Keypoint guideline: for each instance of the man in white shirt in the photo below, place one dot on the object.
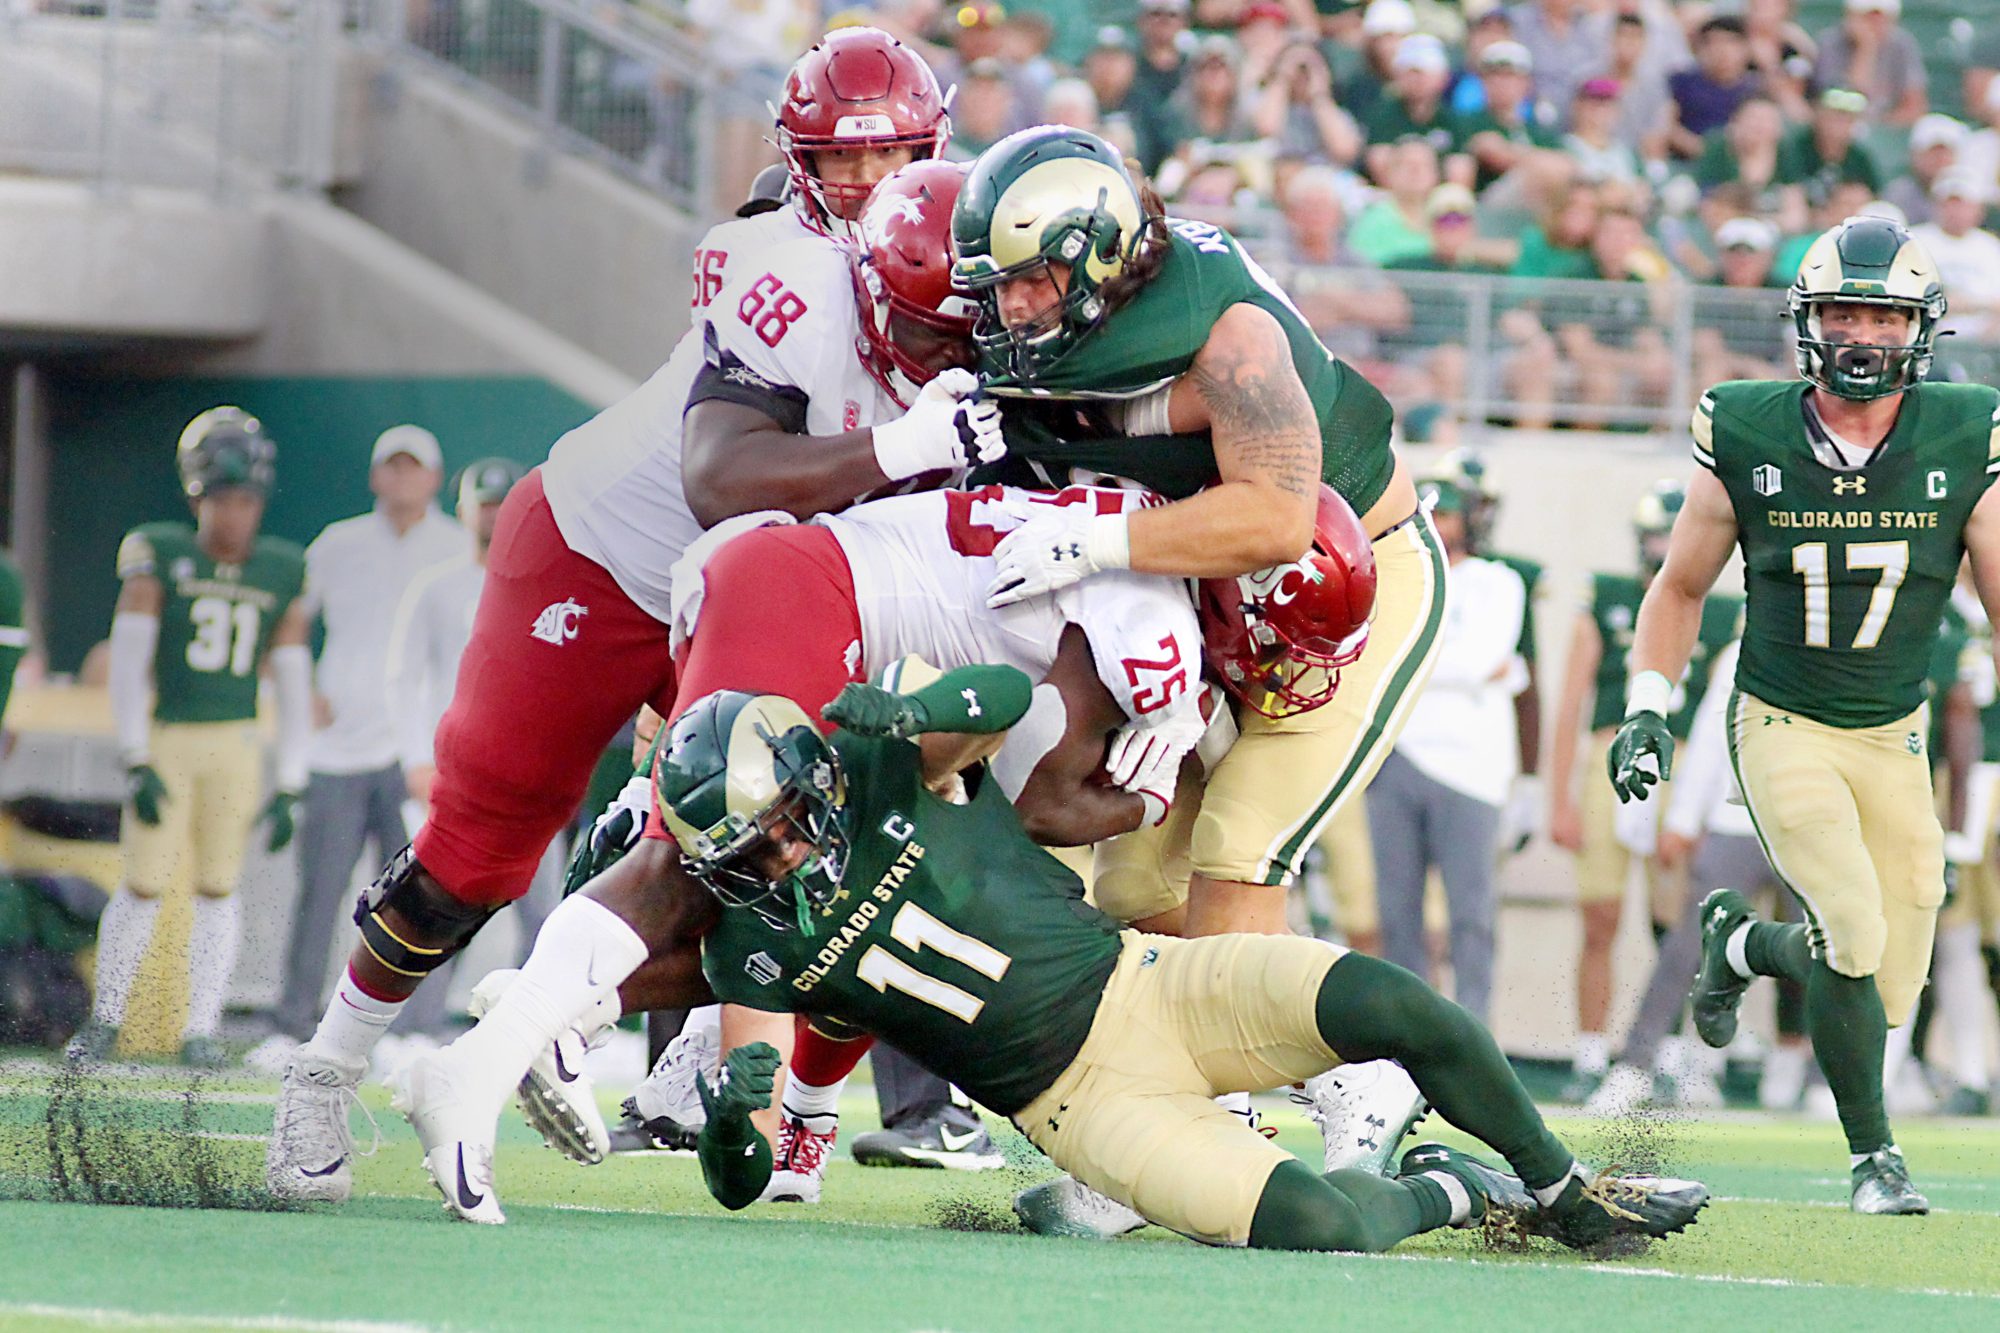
(356, 572)
(1439, 796)
(1967, 255)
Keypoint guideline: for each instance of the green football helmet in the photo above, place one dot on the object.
(1653, 522)
(224, 447)
(733, 766)
(1042, 196)
(1870, 261)
(1465, 468)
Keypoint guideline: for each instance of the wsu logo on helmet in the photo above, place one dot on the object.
(557, 622)
(1280, 585)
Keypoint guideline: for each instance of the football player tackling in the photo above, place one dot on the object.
(1853, 496)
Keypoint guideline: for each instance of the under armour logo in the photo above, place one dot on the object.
(1073, 551)
(1914, 743)
(1376, 1124)
(1770, 718)
(972, 708)
(1850, 485)
(557, 622)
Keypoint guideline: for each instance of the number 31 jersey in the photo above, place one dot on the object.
(1846, 572)
(922, 565)
(216, 620)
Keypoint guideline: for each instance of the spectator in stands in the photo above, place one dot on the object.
(1413, 106)
(1645, 107)
(1263, 34)
(1613, 337)
(1935, 141)
(1828, 150)
(1592, 142)
(1781, 52)
(1297, 110)
(1070, 101)
(1979, 157)
(1346, 309)
(1164, 47)
(1560, 246)
(1568, 45)
(1434, 342)
(1467, 95)
(1967, 256)
(1209, 110)
(1737, 338)
(1982, 66)
(1396, 225)
(1383, 29)
(1873, 54)
(1023, 46)
(1750, 151)
(1109, 67)
(1846, 200)
(1506, 136)
(1706, 95)
(357, 571)
(983, 112)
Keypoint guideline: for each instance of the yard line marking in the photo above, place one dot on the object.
(103, 1317)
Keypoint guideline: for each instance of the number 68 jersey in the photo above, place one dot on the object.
(216, 620)
(922, 564)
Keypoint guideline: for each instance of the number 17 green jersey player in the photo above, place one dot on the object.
(200, 612)
(1853, 495)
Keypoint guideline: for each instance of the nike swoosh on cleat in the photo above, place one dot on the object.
(590, 970)
(324, 1171)
(562, 1070)
(466, 1198)
(956, 1142)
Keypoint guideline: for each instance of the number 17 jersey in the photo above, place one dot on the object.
(1846, 572)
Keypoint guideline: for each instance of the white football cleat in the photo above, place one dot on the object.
(558, 1100)
(1625, 1089)
(1066, 1206)
(311, 1154)
(1363, 1112)
(798, 1167)
(457, 1137)
(666, 1103)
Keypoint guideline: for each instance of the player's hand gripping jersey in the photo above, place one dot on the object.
(1847, 572)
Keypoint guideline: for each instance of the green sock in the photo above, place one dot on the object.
(1372, 1010)
(1344, 1210)
(1844, 1015)
(1775, 950)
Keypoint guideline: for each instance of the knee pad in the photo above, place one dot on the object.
(444, 922)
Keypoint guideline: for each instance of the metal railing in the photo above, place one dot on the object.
(612, 83)
(209, 94)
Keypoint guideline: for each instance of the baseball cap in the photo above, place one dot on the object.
(1215, 47)
(488, 481)
(1890, 7)
(1448, 199)
(1163, 6)
(986, 67)
(1385, 17)
(1746, 234)
(415, 441)
(1956, 184)
(1507, 55)
(1422, 51)
(1111, 37)
(1936, 130)
(1604, 90)
(1845, 99)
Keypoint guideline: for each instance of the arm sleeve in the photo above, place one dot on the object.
(976, 700)
(291, 670)
(735, 1161)
(1481, 642)
(133, 640)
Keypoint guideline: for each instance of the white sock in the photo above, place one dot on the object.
(1454, 1190)
(1739, 962)
(123, 933)
(1672, 1058)
(1593, 1053)
(1962, 998)
(1855, 1159)
(354, 1021)
(211, 961)
(805, 1100)
(1547, 1195)
(584, 950)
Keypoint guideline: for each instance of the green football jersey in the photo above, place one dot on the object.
(1153, 340)
(954, 938)
(1847, 572)
(1614, 606)
(216, 620)
(1531, 575)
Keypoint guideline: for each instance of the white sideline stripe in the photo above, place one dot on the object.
(104, 1317)
(1728, 1280)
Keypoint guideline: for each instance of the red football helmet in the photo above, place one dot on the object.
(1278, 638)
(913, 315)
(857, 88)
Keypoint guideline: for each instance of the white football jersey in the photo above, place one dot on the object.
(922, 564)
(614, 483)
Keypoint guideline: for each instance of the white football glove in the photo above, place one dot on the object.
(688, 584)
(1963, 849)
(1065, 544)
(1522, 814)
(944, 429)
(1147, 760)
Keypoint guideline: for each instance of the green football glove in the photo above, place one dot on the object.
(616, 832)
(744, 1084)
(867, 710)
(145, 790)
(280, 812)
(1640, 735)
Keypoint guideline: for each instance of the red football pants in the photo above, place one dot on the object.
(559, 658)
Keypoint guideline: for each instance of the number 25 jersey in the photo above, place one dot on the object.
(216, 620)
(1846, 572)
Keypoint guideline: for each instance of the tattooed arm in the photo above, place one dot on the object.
(1244, 388)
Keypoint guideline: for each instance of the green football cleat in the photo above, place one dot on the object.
(1718, 989)
(1882, 1187)
(1589, 1213)
(1493, 1191)
(92, 1044)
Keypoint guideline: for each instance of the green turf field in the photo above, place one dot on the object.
(635, 1244)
